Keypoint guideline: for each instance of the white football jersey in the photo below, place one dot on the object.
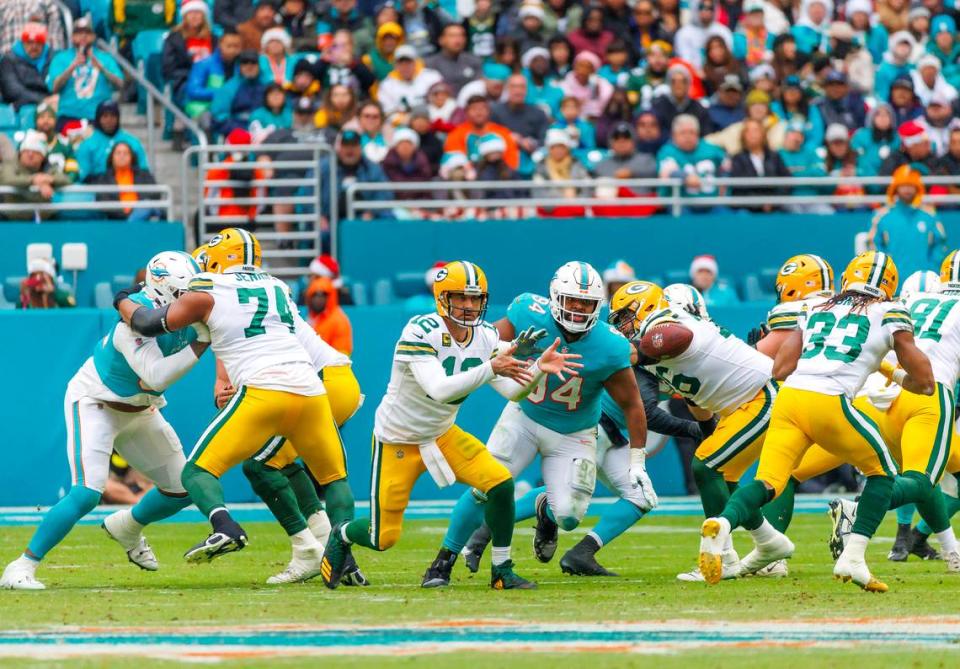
(717, 372)
(936, 325)
(841, 347)
(784, 316)
(253, 332)
(407, 415)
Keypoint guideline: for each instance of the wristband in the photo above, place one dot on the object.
(898, 376)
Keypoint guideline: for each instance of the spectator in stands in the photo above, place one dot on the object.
(339, 66)
(304, 82)
(92, 152)
(375, 135)
(407, 86)
(304, 125)
(583, 83)
(41, 290)
(951, 161)
(803, 160)
(616, 66)
(561, 16)
(906, 229)
(275, 64)
(405, 162)
(928, 81)
(344, 15)
(591, 37)
(189, 42)
(422, 22)
(326, 315)
(23, 69)
(456, 167)
(209, 75)
(876, 141)
(559, 164)
(937, 120)
(758, 109)
(616, 18)
(904, 101)
(794, 105)
(915, 150)
(726, 105)
(618, 274)
(719, 63)
(648, 27)
(480, 27)
(127, 18)
(580, 130)
(529, 33)
(442, 107)
(893, 14)
(60, 154)
(492, 167)
(850, 57)
(300, 22)
(226, 172)
(526, 122)
(691, 39)
(897, 63)
(811, 28)
(124, 170)
(945, 48)
(339, 108)
(239, 96)
(495, 77)
(787, 61)
(82, 75)
(649, 135)
(757, 159)
(840, 104)
(541, 91)
(379, 60)
(689, 158)
(430, 143)
(465, 137)
(617, 111)
(561, 56)
(352, 167)
(841, 159)
(231, 13)
(703, 276)
(624, 161)
(678, 101)
(455, 65)
(16, 14)
(264, 18)
(33, 177)
(752, 41)
(275, 113)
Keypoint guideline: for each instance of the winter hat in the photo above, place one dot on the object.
(763, 71)
(195, 6)
(943, 23)
(841, 30)
(239, 137)
(34, 140)
(590, 57)
(619, 271)
(535, 11)
(918, 12)
(757, 97)
(278, 34)
(452, 160)
(912, 133)
(707, 262)
(491, 143)
(496, 71)
(325, 266)
(531, 53)
(928, 60)
(855, 6)
(556, 136)
(405, 135)
(44, 265)
(836, 132)
(906, 176)
(405, 52)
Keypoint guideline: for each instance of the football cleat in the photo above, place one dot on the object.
(502, 577)
(215, 545)
(855, 569)
(843, 513)
(473, 551)
(920, 547)
(438, 573)
(581, 560)
(545, 535)
(900, 550)
(334, 561)
(19, 575)
(136, 546)
(713, 537)
(776, 569)
(731, 569)
(953, 561)
(352, 576)
(304, 565)
(779, 548)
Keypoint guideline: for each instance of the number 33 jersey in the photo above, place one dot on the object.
(842, 347)
(407, 414)
(253, 327)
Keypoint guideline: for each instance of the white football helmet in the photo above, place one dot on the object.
(921, 281)
(576, 280)
(685, 297)
(167, 275)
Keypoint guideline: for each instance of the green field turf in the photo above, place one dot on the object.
(90, 583)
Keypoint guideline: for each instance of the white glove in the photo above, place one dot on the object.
(640, 478)
(203, 332)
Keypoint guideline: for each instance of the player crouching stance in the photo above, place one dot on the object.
(114, 402)
(439, 360)
(823, 364)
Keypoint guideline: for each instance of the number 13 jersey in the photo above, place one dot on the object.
(842, 347)
(253, 332)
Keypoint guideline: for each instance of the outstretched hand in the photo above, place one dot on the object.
(553, 362)
(504, 364)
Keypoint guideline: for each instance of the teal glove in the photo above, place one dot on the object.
(526, 342)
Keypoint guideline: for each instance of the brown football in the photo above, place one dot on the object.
(665, 341)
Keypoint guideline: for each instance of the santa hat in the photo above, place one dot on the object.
(912, 133)
(239, 137)
(44, 265)
(278, 34)
(325, 266)
(707, 262)
(431, 274)
(195, 6)
(34, 141)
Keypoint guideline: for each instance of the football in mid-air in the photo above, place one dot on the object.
(665, 341)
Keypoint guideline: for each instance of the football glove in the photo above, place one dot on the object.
(757, 333)
(640, 478)
(526, 342)
(124, 293)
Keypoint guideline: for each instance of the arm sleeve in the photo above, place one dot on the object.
(157, 371)
(897, 319)
(431, 376)
(658, 420)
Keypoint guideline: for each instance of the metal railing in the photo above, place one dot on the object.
(162, 203)
(290, 237)
(666, 194)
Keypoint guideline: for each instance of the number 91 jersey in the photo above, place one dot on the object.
(936, 325)
(842, 347)
(573, 404)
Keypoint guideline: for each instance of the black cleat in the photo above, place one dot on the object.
(919, 546)
(473, 551)
(581, 560)
(227, 537)
(502, 577)
(334, 560)
(545, 536)
(438, 573)
(901, 545)
(351, 572)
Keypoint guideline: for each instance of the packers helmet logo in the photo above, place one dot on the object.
(216, 239)
(789, 268)
(637, 288)
(441, 275)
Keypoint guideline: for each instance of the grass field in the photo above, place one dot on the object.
(91, 585)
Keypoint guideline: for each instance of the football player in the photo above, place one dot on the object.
(439, 360)
(257, 333)
(113, 403)
(558, 420)
(823, 364)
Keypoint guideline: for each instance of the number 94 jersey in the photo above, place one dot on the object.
(842, 347)
(936, 325)
(573, 404)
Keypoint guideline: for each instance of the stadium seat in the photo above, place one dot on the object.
(359, 292)
(121, 281)
(147, 48)
(382, 292)
(103, 295)
(751, 290)
(768, 280)
(11, 288)
(5, 303)
(9, 121)
(27, 116)
(408, 284)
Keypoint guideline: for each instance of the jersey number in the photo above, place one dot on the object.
(688, 386)
(538, 304)
(823, 323)
(567, 394)
(450, 367)
(923, 326)
(256, 327)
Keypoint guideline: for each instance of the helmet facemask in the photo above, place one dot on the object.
(459, 315)
(574, 320)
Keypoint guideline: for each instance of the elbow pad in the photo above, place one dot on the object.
(150, 322)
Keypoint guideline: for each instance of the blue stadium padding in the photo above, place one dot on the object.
(120, 281)
(8, 118)
(382, 292)
(5, 303)
(103, 295)
(27, 117)
(751, 288)
(768, 279)
(408, 284)
(11, 288)
(676, 276)
(358, 290)
(99, 11)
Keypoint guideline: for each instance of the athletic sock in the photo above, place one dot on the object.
(155, 506)
(339, 502)
(905, 514)
(319, 526)
(615, 520)
(204, 488)
(948, 540)
(467, 516)
(592, 541)
(779, 511)
(273, 487)
(306, 493)
(714, 492)
(526, 506)
(873, 505)
(857, 543)
(358, 532)
(60, 519)
(499, 555)
(952, 505)
(498, 514)
(304, 539)
(765, 532)
(744, 505)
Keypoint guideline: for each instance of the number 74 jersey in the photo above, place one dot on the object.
(842, 347)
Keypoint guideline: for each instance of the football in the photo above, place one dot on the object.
(665, 341)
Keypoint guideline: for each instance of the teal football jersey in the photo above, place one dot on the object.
(573, 404)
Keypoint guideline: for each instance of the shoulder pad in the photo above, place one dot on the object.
(201, 282)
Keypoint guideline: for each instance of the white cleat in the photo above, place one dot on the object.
(731, 569)
(714, 534)
(304, 565)
(776, 569)
(843, 514)
(21, 575)
(856, 570)
(776, 549)
(125, 531)
(953, 561)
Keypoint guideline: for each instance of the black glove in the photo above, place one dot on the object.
(757, 333)
(124, 293)
(707, 427)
